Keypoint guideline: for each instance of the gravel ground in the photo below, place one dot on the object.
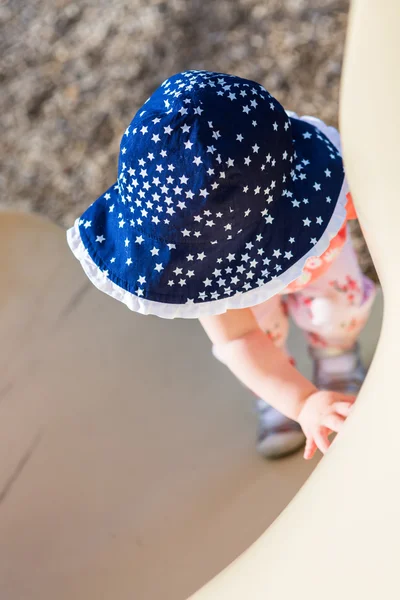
(73, 74)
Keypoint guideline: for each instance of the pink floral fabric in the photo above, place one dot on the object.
(331, 308)
(318, 265)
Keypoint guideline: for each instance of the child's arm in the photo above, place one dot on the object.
(266, 370)
(257, 362)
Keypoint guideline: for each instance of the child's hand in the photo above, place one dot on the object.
(323, 413)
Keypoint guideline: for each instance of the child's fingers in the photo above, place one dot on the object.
(310, 449)
(334, 422)
(342, 408)
(346, 399)
(321, 439)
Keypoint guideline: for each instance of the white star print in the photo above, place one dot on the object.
(100, 239)
(154, 194)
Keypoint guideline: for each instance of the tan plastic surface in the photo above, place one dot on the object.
(127, 461)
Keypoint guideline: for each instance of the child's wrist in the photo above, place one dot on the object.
(267, 371)
(306, 394)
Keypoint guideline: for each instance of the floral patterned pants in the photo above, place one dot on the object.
(332, 310)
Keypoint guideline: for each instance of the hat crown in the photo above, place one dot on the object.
(204, 157)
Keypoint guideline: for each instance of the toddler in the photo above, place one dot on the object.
(233, 211)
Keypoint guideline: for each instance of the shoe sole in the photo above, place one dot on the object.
(281, 445)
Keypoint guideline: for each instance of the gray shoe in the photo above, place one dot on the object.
(343, 373)
(277, 436)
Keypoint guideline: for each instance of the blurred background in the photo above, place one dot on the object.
(72, 75)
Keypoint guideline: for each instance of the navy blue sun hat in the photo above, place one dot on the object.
(221, 198)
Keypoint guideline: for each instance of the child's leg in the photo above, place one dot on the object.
(332, 312)
(272, 317)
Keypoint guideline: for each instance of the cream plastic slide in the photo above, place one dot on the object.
(340, 536)
(127, 461)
